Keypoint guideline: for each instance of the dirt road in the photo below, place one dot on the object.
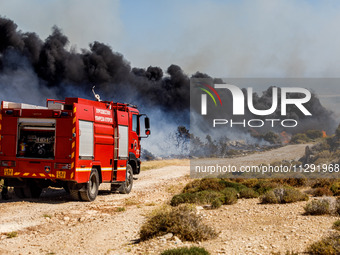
(54, 224)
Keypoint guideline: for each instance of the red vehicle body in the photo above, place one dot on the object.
(75, 143)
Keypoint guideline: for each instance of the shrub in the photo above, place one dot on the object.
(12, 234)
(337, 206)
(263, 186)
(327, 246)
(322, 183)
(272, 138)
(335, 188)
(237, 186)
(182, 221)
(336, 225)
(230, 196)
(299, 138)
(248, 193)
(283, 195)
(314, 134)
(204, 184)
(186, 251)
(217, 203)
(295, 182)
(269, 198)
(318, 207)
(250, 182)
(319, 192)
(201, 197)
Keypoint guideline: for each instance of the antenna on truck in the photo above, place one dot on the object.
(96, 95)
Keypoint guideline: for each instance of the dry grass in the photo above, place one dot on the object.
(154, 164)
(132, 201)
(327, 246)
(182, 221)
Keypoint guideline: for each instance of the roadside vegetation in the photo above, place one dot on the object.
(186, 251)
(181, 221)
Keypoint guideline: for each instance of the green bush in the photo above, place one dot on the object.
(263, 186)
(336, 225)
(182, 221)
(204, 184)
(186, 251)
(230, 196)
(335, 188)
(318, 207)
(248, 193)
(272, 138)
(250, 183)
(201, 197)
(283, 195)
(299, 138)
(269, 198)
(314, 134)
(217, 203)
(237, 186)
(209, 191)
(327, 246)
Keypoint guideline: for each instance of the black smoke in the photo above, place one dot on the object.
(59, 71)
(58, 67)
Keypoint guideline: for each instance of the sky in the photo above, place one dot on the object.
(246, 38)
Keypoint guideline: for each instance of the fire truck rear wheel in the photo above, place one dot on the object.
(127, 185)
(30, 190)
(19, 192)
(74, 193)
(35, 190)
(91, 188)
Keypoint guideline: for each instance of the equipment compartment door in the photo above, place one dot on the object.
(123, 141)
(85, 139)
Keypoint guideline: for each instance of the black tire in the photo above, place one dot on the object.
(35, 191)
(19, 192)
(28, 191)
(66, 188)
(126, 187)
(75, 194)
(92, 187)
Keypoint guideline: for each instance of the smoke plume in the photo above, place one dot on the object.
(32, 70)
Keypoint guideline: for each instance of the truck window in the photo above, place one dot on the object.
(135, 126)
(36, 138)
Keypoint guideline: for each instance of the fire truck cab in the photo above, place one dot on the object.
(73, 143)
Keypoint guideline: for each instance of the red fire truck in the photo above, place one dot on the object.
(75, 143)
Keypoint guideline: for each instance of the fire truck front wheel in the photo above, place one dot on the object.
(91, 188)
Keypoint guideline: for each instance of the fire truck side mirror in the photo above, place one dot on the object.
(147, 123)
(147, 132)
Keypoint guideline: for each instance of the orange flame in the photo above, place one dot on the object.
(324, 134)
(285, 138)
